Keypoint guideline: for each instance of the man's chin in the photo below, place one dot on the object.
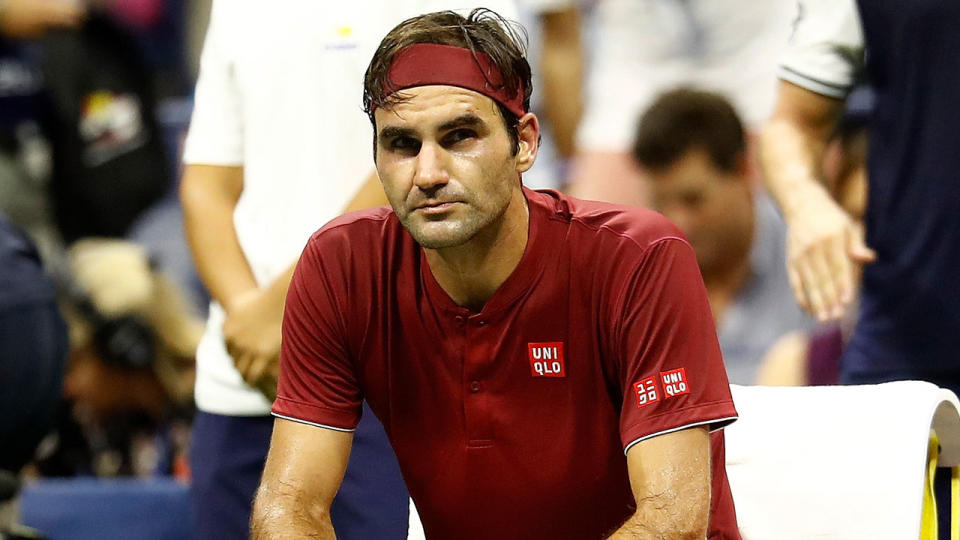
(438, 236)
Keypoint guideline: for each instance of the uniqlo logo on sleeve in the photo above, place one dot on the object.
(675, 382)
(546, 359)
(646, 391)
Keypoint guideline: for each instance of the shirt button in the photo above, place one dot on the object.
(482, 323)
(475, 386)
(460, 320)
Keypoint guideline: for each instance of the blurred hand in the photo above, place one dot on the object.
(252, 335)
(31, 18)
(825, 253)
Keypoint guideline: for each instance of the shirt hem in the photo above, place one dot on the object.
(723, 421)
(813, 84)
(719, 412)
(314, 415)
(315, 424)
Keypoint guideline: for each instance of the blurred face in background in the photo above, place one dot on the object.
(713, 207)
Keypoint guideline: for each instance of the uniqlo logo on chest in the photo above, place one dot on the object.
(675, 382)
(646, 391)
(546, 359)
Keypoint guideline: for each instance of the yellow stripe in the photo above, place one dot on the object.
(955, 504)
(928, 526)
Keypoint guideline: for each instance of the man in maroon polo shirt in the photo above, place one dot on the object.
(545, 367)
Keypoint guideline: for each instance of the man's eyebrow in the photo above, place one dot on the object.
(462, 121)
(392, 132)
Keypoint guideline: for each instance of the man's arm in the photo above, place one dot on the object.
(824, 245)
(670, 477)
(562, 67)
(252, 328)
(209, 195)
(302, 474)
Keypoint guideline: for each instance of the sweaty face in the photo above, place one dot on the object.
(445, 161)
(711, 206)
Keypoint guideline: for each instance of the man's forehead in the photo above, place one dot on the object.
(431, 106)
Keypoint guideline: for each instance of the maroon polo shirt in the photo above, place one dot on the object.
(512, 422)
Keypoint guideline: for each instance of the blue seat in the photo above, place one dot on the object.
(94, 509)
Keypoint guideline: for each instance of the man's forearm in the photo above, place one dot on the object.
(788, 156)
(664, 517)
(792, 145)
(670, 477)
(279, 514)
(562, 67)
(301, 476)
(209, 195)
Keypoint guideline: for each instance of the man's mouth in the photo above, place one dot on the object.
(436, 207)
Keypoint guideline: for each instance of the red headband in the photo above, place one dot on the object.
(424, 64)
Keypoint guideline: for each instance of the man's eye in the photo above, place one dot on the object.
(458, 135)
(405, 144)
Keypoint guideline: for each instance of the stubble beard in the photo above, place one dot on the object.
(446, 233)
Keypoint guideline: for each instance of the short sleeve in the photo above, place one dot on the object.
(826, 48)
(318, 384)
(215, 136)
(672, 370)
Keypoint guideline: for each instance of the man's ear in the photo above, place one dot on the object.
(528, 139)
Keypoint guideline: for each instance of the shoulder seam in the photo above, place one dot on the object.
(328, 227)
(606, 228)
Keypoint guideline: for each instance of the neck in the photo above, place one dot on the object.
(724, 285)
(471, 273)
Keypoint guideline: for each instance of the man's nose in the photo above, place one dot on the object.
(431, 171)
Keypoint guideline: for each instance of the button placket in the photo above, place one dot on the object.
(477, 357)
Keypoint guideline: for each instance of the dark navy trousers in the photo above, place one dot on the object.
(33, 356)
(227, 454)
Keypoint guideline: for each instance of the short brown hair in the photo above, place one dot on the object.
(482, 30)
(686, 119)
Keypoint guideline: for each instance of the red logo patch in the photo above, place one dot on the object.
(675, 382)
(646, 391)
(546, 359)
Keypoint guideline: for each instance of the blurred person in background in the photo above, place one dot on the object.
(81, 153)
(81, 150)
(909, 310)
(910, 304)
(640, 48)
(692, 147)
(33, 352)
(129, 382)
(81, 156)
(275, 149)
